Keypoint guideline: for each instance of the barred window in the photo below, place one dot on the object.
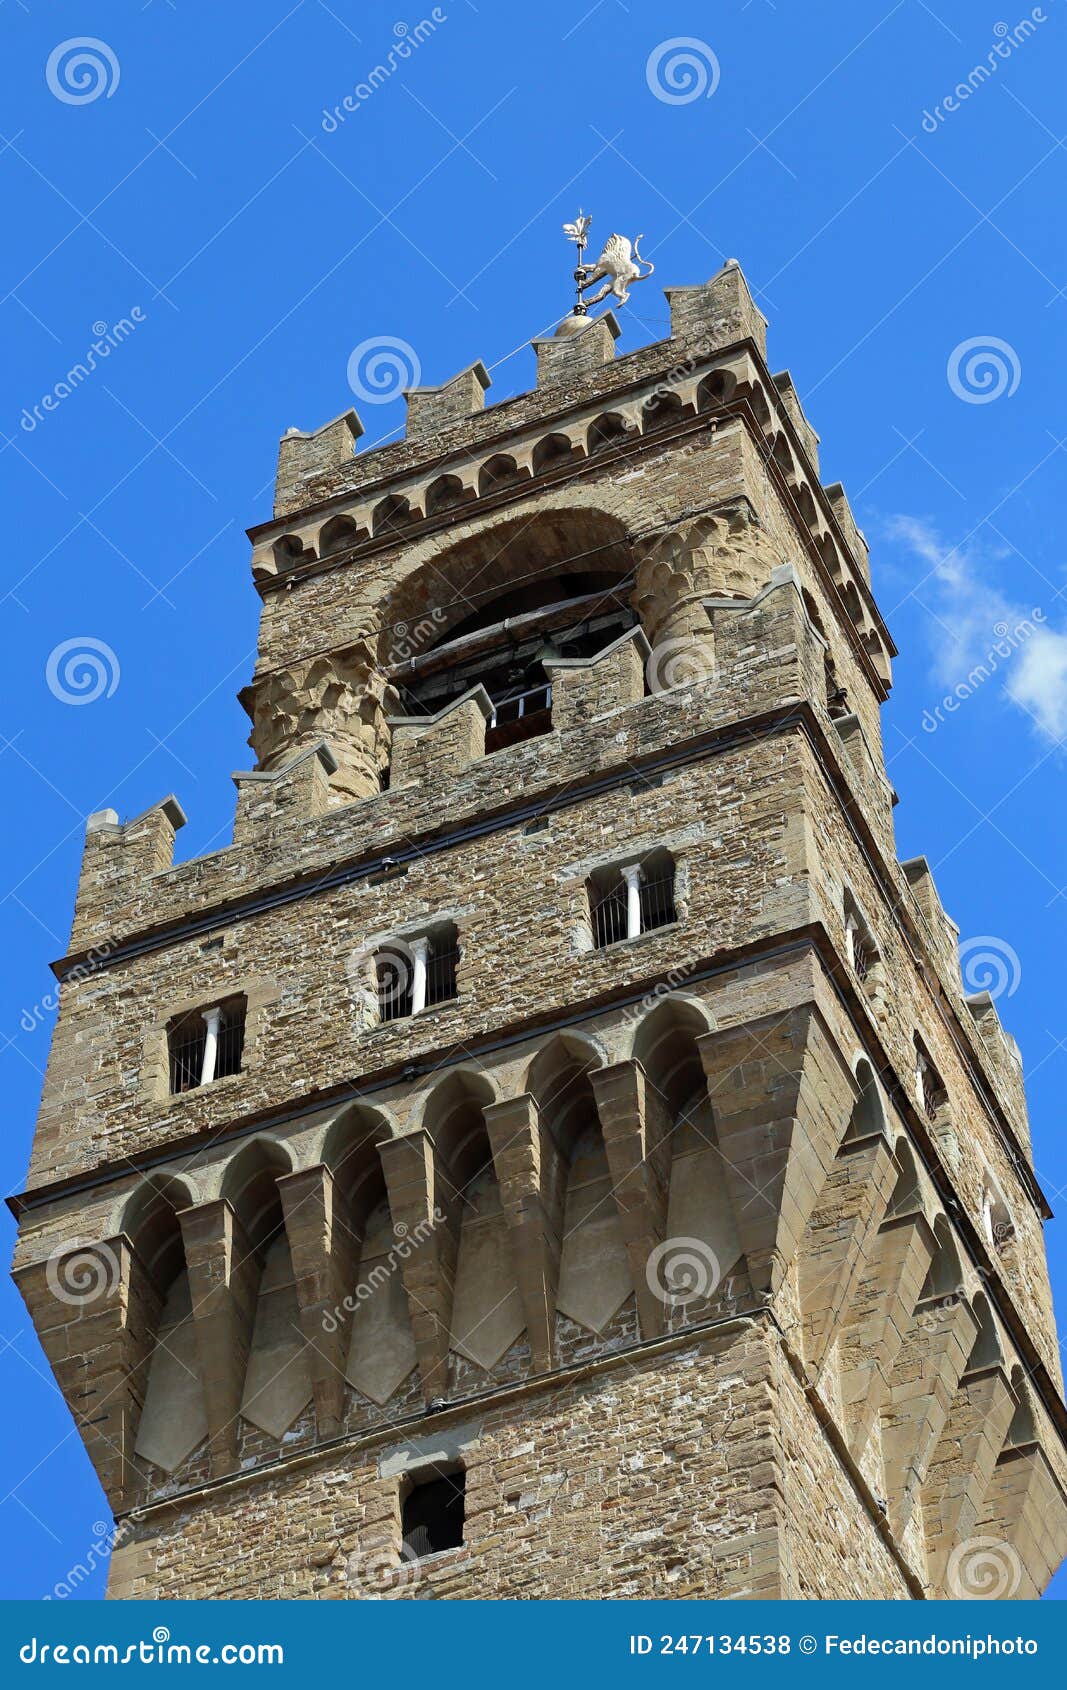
(632, 898)
(929, 1086)
(206, 1044)
(863, 953)
(411, 975)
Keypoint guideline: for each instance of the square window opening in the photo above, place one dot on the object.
(433, 1513)
(412, 975)
(635, 898)
(206, 1044)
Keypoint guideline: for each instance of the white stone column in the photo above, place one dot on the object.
(213, 1019)
(632, 876)
(420, 952)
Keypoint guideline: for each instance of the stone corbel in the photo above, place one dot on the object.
(874, 1334)
(531, 1177)
(779, 1092)
(838, 1239)
(96, 1311)
(224, 1274)
(636, 1132)
(962, 1464)
(325, 1262)
(419, 1202)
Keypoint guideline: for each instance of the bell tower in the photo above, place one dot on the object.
(550, 1152)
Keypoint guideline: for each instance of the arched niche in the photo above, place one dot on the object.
(717, 388)
(500, 472)
(868, 1112)
(391, 515)
(945, 1275)
(664, 409)
(700, 1213)
(277, 1385)
(607, 432)
(338, 534)
(554, 452)
(487, 1309)
(173, 1419)
(447, 493)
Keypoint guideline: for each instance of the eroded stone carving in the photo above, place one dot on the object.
(339, 696)
(720, 554)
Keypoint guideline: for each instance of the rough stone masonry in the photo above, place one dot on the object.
(550, 1152)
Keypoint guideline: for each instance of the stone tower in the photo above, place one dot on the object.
(550, 1152)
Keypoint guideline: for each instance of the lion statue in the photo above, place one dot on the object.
(619, 262)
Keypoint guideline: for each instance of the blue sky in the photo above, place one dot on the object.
(910, 259)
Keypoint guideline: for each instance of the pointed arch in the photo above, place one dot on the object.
(452, 1116)
(150, 1222)
(986, 1350)
(945, 1276)
(250, 1186)
(558, 1080)
(665, 1045)
(338, 534)
(868, 1111)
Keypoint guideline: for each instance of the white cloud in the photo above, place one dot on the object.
(976, 626)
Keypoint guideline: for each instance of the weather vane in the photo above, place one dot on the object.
(619, 262)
